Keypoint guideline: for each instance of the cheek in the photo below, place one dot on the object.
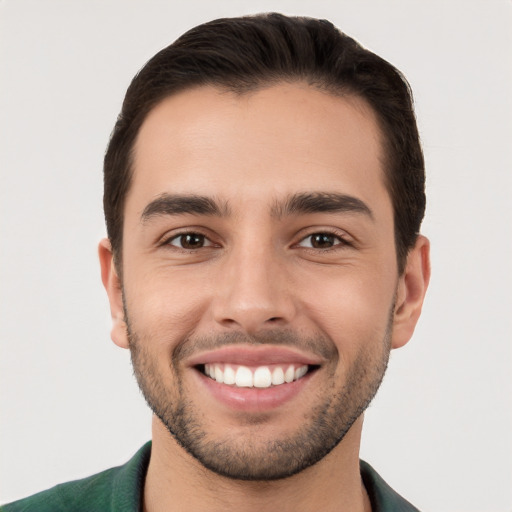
(164, 306)
(352, 308)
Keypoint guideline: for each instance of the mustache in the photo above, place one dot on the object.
(317, 344)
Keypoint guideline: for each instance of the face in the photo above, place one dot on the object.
(260, 288)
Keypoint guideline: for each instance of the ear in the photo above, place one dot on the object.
(112, 285)
(412, 286)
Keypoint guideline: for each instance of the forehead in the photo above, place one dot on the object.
(257, 146)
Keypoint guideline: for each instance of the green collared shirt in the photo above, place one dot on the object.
(120, 489)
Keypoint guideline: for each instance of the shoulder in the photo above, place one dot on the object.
(382, 497)
(118, 488)
(78, 495)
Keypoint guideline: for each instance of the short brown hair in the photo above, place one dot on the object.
(246, 53)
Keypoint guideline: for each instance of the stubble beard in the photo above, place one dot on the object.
(251, 458)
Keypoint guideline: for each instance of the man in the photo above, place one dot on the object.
(264, 190)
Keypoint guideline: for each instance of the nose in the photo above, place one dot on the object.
(254, 291)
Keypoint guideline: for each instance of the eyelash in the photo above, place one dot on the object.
(167, 241)
(340, 241)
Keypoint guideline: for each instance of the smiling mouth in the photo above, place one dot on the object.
(255, 377)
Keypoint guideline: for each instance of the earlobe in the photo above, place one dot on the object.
(411, 290)
(112, 284)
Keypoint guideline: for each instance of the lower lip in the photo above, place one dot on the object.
(254, 399)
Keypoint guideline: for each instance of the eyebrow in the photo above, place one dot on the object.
(192, 204)
(300, 203)
(320, 202)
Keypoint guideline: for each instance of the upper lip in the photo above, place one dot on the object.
(249, 355)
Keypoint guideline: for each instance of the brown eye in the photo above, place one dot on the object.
(189, 241)
(321, 241)
(192, 241)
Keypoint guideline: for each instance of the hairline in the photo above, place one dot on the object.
(335, 90)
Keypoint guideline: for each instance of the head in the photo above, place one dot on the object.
(249, 53)
(263, 195)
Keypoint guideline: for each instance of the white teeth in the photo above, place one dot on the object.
(243, 377)
(277, 376)
(263, 376)
(300, 372)
(219, 374)
(229, 375)
(289, 374)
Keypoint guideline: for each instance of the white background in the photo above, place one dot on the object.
(440, 430)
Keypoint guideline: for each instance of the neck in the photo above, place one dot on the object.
(177, 481)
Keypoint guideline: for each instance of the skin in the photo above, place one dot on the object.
(257, 276)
